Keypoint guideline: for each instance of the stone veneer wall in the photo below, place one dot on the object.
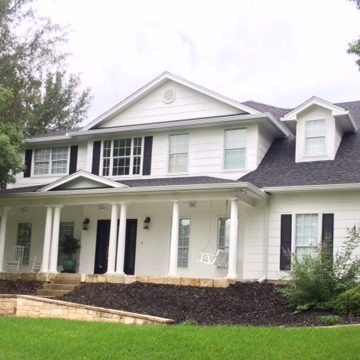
(36, 307)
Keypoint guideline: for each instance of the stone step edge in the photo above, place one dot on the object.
(157, 319)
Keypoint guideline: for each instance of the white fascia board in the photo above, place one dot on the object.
(178, 124)
(153, 85)
(336, 110)
(146, 189)
(351, 122)
(81, 174)
(45, 139)
(301, 188)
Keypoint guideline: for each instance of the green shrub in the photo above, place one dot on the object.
(329, 320)
(349, 301)
(317, 280)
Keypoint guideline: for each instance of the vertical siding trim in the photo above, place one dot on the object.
(28, 161)
(148, 141)
(285, 242)
(73, 159)
(96, 157)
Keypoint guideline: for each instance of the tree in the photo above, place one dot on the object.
(11, 142)
(354, 47)
(32, 66)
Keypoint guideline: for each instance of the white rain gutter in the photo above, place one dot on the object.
(285, 189)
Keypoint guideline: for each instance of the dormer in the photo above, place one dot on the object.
(319, 127)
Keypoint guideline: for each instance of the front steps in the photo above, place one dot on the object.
(60, 285)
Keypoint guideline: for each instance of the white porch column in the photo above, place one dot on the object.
(55, 239)
(233, 241)
(121, 240)
(3, 222)
(174, 240)
(112, 239)
(47, 240)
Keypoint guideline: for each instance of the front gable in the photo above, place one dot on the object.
(168, 98)
(81, 180)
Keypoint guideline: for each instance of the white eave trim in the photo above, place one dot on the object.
(157, 82)
(146, 189)
(301, 188)
(80, 174)
(169, 125)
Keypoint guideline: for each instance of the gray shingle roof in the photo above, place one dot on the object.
(278, 168)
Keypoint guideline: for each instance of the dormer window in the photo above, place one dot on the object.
(235, 149)
(315, 131)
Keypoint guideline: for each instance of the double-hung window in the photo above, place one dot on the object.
(183, 244)
(315, 131)
(51, 161)
(306, 234)
(24, 239)
(235, 149)
(178, 153)
(122, 156)
(223, 234)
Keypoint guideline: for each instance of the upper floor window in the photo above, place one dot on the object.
(51, 161)
(315, 137)
(122, 156)
(178, 153)
(235, 149)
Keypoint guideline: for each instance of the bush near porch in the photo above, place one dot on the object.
(44, 339)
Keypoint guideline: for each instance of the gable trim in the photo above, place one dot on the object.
(81, 174)
(157, 82)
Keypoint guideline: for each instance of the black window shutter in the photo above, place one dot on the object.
(327, 234)
(148, 141)
(73, 159)
(28, 160)
(285, 242)
(96, 157)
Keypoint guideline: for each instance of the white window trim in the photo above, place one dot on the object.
(293, 230)
(223, 150)
(112, 158)
(168, 156)
(189, 257)
(318, 156)
(49, 174)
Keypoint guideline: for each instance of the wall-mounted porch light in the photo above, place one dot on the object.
(85, 224)
(146, 225)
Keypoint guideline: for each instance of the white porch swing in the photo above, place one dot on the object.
(220, 258)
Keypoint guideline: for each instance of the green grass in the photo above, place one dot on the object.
(52, 339)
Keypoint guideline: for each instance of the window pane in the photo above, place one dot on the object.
(178, 163)
(179, 143)
(315, 146)
(59, 167)
(41, 168)
(66, 229)
(136, 165)
(183, 244)
(224, 233)
(235, 159)
(24, 239)
(42, 155)
(307, 230)
(315, 128)
(59, 153)
(235, 139)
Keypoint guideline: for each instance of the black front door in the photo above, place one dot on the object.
(130, 246)
(102, 246)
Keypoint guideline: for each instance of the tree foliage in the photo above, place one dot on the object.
(354, 47)
(32, 66)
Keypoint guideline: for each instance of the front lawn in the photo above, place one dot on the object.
(63, 339)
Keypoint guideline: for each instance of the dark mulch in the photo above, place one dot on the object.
(20, 287)
(240, 304)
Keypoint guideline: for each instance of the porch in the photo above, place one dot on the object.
(154, 238)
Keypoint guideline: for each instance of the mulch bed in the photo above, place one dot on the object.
(240, 304)
(20, 287)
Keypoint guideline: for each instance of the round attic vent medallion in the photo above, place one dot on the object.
(169, 96)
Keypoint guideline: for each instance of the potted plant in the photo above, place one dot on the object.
(69, 247)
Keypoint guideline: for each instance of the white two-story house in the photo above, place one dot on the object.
(179, 181)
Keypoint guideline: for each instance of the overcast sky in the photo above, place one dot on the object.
(279, 52)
